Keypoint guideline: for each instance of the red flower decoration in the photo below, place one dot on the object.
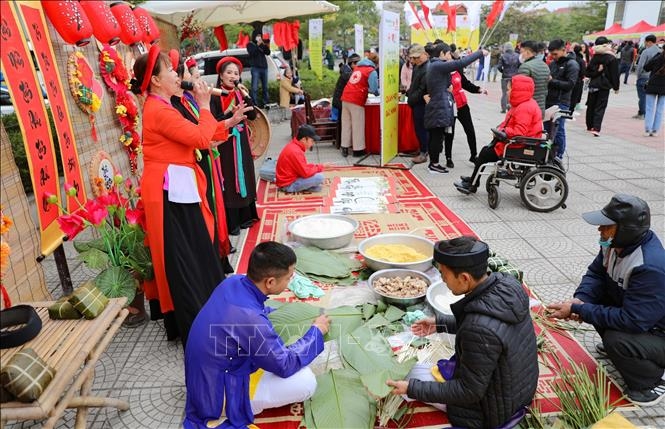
(94, 212)
(71, 225)
(136, 217)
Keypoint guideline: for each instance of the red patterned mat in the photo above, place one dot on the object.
(407, 186)
(428, 217)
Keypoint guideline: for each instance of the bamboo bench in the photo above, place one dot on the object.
(72, 348)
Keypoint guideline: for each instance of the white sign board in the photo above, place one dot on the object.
(360, 39)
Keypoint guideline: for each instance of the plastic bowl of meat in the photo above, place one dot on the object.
(400, 287)
(325, 231)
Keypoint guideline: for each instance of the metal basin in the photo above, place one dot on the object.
(439, 297)
(331, 239)
(399, 273)
(419, 244)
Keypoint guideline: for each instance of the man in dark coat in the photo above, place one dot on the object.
(415, 97)
(258, 50)
(439, 115)
(603, 72)
(622, 295)
(563, 77)
(495, 363)
(345, 72)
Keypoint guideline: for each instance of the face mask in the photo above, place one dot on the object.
(541, 56)
(521, 59)
(605, 243)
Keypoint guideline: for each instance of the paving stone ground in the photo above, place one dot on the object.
(553, 249)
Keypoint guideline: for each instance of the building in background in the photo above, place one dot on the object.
(630, 12)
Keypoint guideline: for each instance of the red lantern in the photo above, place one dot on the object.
(107, 29)
(69, 20)
(130, 31)
(147, 24)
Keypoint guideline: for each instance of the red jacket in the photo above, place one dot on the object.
(292, 164)
(524, 117)
(461, 83)
(357, 88)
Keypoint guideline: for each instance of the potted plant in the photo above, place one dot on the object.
(118, 251)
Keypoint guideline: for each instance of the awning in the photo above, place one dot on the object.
(214, 13)
(659, 31)
(613, 29)
(636, 31)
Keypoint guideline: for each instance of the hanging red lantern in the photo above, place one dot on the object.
(107, 28)
(130, 31)
(69, 20)
(147, 24)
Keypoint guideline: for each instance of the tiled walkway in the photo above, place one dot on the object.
(553, 249)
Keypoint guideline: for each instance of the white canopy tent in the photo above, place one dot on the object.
(214, 13)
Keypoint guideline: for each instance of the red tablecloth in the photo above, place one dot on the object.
(407, 141)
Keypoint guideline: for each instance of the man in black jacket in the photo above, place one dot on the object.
(603, 72)
(416, 92)
(496, 364)
(257, 51)
(345, 71)
(563, 77)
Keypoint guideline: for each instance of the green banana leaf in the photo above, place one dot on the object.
(366, 352)
(94, 258)
(340, 401)
(368, 311)
(349, 280)
(292, 320)
(307, 421)
(394, 314)
(82, 246)
(377, 321)
(375, 382)
(381, 306)
(116, 282)
(343, 320)
(274, 304)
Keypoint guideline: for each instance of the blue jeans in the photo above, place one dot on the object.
(653, 116)
(259, 74)
(560, 137)
(641, 95)
(312, 183)
(624, 68)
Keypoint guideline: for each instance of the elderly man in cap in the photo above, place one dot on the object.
(293, 173)
(622, 295)
(492, 377)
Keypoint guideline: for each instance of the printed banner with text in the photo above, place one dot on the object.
(389, 77)
(33, 16)
(316, 46)
(360, 39)
(26, 96)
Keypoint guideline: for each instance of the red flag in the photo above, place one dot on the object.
(221, 38)
(444, 7)
(426, 13)
(452, 19)
(497, 7)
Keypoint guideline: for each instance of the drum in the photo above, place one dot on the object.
(259, 133)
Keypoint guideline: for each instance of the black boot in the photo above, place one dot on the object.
(465, 187)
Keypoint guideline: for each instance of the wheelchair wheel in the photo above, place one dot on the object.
(544, 189)
(491, 181)
(493, 196)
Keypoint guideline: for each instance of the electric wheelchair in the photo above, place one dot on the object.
(529, 164)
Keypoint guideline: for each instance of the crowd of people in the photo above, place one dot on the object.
(199, 187)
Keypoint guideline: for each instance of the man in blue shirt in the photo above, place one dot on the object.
(622, 295)
(235, 362)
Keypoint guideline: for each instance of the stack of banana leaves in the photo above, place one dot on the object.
(348, 397)
(326, 267)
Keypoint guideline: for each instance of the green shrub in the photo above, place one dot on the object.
(10, 122)
(323, 88)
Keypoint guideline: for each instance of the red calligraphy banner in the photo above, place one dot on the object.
(33, 18)
(26, 95)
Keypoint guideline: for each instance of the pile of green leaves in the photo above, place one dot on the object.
(325, 266)
(341, 398)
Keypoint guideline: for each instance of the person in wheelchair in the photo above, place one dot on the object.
(523, 119)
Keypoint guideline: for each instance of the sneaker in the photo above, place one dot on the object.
(465, 178)
(449, 163)
(422, 157)
(503, 110)
(638, 116)
(345, 152)
(647, 397)
(465, 187)
(646, 134)
(600, 349)
(436, 169)
(595, 132)
(358, 153)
